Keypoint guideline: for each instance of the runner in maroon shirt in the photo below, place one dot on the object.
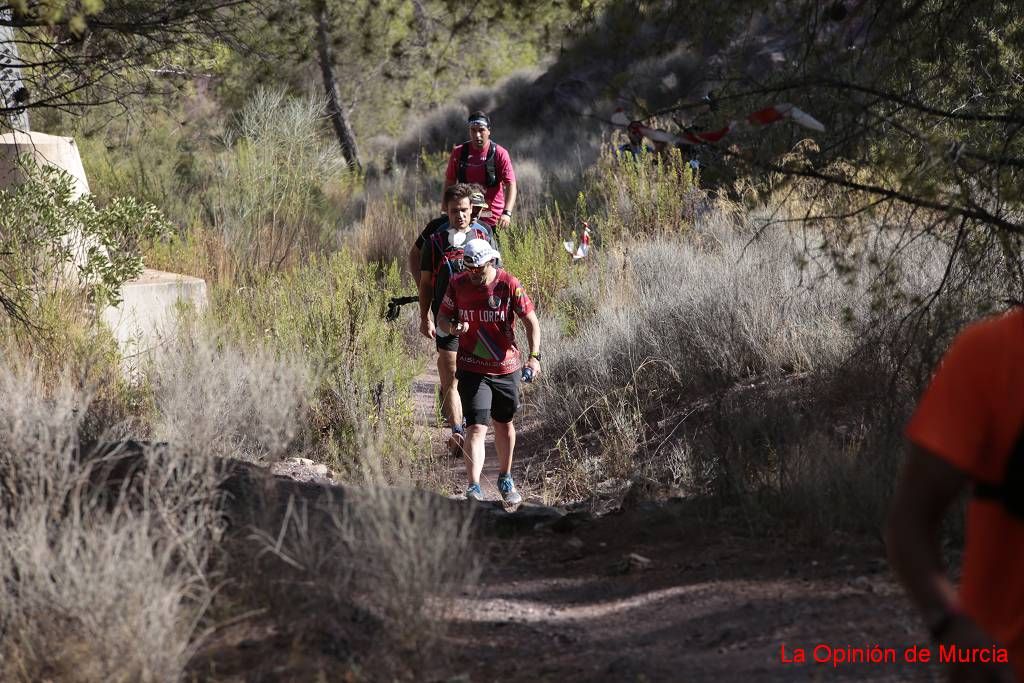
(485, 301)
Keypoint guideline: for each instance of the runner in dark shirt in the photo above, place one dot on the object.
(477, 201)
(440, 258)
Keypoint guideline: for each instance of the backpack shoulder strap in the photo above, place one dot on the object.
(1010, 491)
(463, 161)
(490, 165)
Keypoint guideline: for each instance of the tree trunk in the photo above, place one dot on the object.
(12, 90)
(346, 138)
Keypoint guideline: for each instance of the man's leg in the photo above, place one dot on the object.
(475, 437)
(451, 407)
(504, 406)
(504, 444)
(475, 395)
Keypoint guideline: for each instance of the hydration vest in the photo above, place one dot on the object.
(450, 255)
(492, 172)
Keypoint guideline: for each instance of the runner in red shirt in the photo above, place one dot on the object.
(488, 164)
(485, 301)
(967, 434)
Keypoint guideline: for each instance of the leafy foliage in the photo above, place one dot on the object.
(90, 52)
(52, 242)
(395, 57)
(330, 313)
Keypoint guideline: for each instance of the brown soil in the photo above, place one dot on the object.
(674, 591)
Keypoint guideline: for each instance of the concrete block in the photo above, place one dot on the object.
(147, 314)
(47, 150)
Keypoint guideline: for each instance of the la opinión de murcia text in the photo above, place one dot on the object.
(836, 656)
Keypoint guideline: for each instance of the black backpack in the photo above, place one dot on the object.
(492, 172)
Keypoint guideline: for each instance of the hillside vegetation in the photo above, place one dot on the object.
(751, 334)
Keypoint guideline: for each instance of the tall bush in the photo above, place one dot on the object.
(54, 244)
(271, 195)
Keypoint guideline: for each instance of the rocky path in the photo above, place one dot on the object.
(678, 592)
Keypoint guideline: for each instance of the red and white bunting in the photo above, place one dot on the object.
(761, 117)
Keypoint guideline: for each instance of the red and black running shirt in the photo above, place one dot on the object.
(489, 347)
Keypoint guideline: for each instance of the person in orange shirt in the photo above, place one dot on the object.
(967, 433)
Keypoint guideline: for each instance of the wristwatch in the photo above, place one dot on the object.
(535, 354)
(506, 213)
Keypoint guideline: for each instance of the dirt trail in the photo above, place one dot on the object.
(424, 394)
(675, 592)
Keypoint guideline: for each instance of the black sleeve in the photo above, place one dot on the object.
(423, 236)
(427, 255)
(431, 228)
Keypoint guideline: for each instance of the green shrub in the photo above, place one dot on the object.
(156, 159)
(329, 313)
(645, 196)
(271, 196)
(53, 244)
(533, 252)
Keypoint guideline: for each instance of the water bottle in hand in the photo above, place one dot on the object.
(527, 374)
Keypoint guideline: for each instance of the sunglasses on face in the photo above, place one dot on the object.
(476, 269)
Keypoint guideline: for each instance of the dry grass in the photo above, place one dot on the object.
(725, 364)
(388, 227)
(95, 587)
(387, 557)
(223, 400)
(411, 552)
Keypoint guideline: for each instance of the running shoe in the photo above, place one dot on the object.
(507, 488)
(474, 492)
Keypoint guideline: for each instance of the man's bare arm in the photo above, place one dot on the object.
(532, 325)
(414, 263)
(511, 194)
(926, 489)
(426, 295)
(510, 201)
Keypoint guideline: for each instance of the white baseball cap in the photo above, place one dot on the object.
(478, 252)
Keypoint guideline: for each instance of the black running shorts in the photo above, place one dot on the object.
(488, 396)
(445, 342)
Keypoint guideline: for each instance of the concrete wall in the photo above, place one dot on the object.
(147, 313)
(47, 150)
(146, 316)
